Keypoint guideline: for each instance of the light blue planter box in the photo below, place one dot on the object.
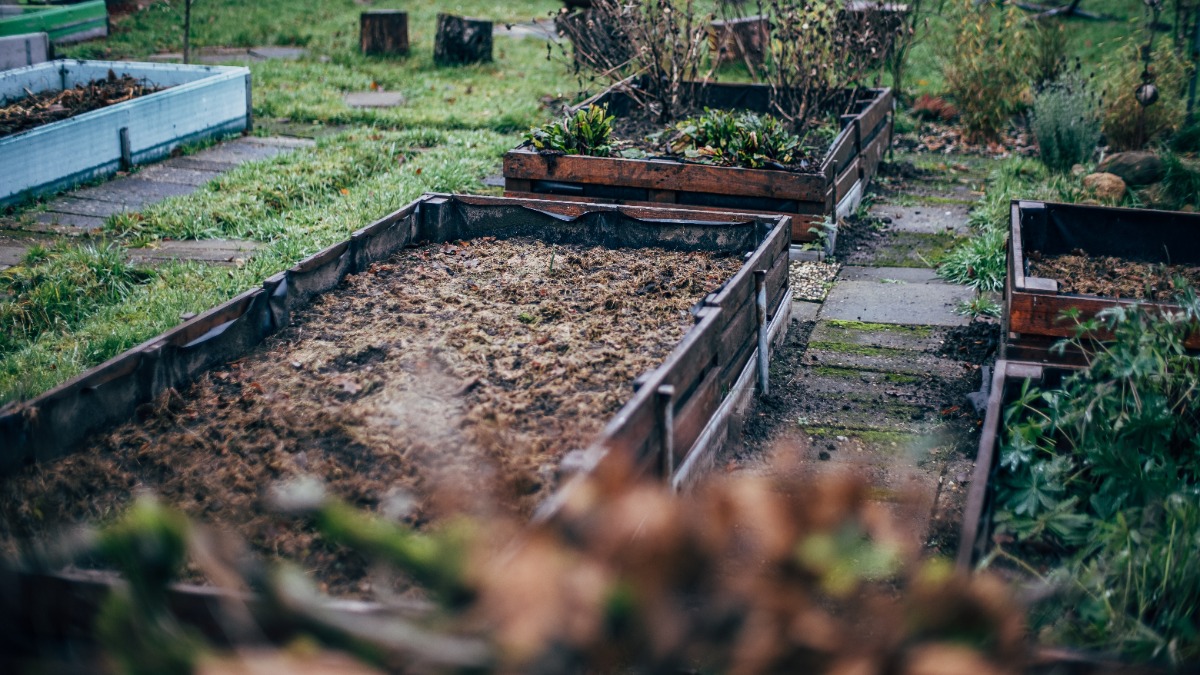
(202, 102)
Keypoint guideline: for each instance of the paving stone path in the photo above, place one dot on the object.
(83, 211)
(862, 385)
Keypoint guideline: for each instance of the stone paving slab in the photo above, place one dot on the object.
(84, 207)
(168, 173)
(220, 251)
(805, 311)
(925, 218)
(891, 336)
(898, 295)
(881, 360)
(13, 247)
(374, 99)
(134, 192)
(66, 223)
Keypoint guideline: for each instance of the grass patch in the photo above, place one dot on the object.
(59, 287)
(455, 164)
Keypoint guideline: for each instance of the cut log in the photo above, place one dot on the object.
(461, 40)
(384, 32)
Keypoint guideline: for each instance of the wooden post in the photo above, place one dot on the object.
(384, 32)
(461, 41)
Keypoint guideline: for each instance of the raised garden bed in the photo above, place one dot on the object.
(64, 23)
(975, 540)
(833, 188)
(1102, 257)
(375, 381)
(196, 103)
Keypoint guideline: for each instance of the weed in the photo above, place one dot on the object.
(1066, 122)
(1103, 471)
(978, 306)
(586, 132)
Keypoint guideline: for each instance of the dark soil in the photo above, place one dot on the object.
(976, 342)
(52, 106)
(452, 378)
(856, 234)
(1110, 277)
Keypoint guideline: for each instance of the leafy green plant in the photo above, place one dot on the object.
(586, 132)
(988, 67)
(1066, 121)
(743, 139)
(1180, 186)
(1103, 474)
(56, 288)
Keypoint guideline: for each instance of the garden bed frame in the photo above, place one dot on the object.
(833, 190)
(975, 533)
(673, 425)
(1033, 306)
(64, 23)
(202, 102)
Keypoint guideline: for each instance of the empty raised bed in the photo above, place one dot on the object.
(461, 342)
(833, 187)
(1065, 257)
(195, 103)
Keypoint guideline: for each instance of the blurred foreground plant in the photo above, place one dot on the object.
(745, 575)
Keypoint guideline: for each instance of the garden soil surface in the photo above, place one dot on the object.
(52, 106)
(451, 378)
(1111, 277)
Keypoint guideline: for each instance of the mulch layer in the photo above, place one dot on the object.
(451, 378)
(35, 110)
(1111, 277)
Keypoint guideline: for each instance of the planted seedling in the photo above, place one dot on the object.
(587, 131)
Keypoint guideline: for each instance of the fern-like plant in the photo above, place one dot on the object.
(743, 139)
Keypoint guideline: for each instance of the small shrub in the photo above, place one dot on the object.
(1187, 139)
(742, 139)
(1180, 186)
(587, 132)
(1127, 125)
(987, 68)
(1066, 122)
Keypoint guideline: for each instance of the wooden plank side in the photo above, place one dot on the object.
(844, 148)
(846, 180)
(691, 419)
(876, 114)
(662, 175)
(685, 366)
(1040, 313)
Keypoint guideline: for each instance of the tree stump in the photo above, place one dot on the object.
(384, 32)
(736, 40)
(461, 41)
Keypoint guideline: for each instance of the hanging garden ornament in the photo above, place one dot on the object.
(1146, 94)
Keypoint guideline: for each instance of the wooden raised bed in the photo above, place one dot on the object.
(1033, 306)
(975, 535)
(672, 425)
(64, 23)
(200, 102)
(833, 189)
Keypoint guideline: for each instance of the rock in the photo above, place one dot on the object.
(1106, 186)
(1135, 168)
(1078, 170)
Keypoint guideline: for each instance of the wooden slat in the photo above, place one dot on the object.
(660, 175)
(846, 180)
(1032, 313)
(845, 146)
(684, 367)
(691, 419)
(876, 113)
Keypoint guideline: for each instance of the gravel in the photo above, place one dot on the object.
(811, 281)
